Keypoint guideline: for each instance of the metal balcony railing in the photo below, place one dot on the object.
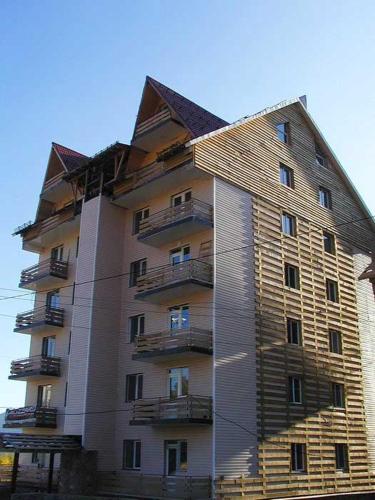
(173, 340)
(190, 270)
(53, 316)
(35, 365)
(31, 416)
(48, 267)
(185, 409)
(192, 209)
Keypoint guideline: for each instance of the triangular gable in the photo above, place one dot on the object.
(69, 158)
(318, 135)
(195, 119)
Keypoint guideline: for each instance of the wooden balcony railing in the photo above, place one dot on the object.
(173, 340)
(53, 181)
(31, 416)
(48, 267)
(191, 270)
(190, 209)
(53, 316)
(153, 486)
(152, 122)
(185, 409)
(35, 365)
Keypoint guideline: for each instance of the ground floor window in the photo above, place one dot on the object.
(298, 457)
(176, 461)
(342, 462)
(131, 454)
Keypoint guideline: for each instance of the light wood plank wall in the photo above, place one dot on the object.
(249, 156)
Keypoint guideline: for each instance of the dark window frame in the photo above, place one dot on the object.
(283, 135)
(133, 393)
(131, 454)
(139, 320)
(294, 333)
(332, 291)
(329, 243)
(335, 335)
(298, 465)
(292, 282)
(294, 391)
(338, 395)
(136, 272)
(288, 222)
(287, 174)
(325, 198)
(137, 221)
(341, 457)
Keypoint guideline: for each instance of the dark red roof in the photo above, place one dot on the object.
(196, 119)
(71, 159)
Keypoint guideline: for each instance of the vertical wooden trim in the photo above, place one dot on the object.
(14, 472)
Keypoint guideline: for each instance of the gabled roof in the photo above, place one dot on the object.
(70, 159)
(195, 118)
(301, 103)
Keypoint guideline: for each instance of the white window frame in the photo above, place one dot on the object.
(136, 443)
(145, 214)
(283, 135)
(172, 374)
(177, 311)
(179, 252)
(59, 249)
(137, 378)
(142, 271)
(139, 332)
(49, 346)
(325, 198)
(183, 195)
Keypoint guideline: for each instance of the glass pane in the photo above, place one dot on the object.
(128, 451)
(184, 381)
(172, 461)
(137, 459)
(185, 317)
(183, 456)
(173, 386)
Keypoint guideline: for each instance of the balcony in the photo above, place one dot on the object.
(174, 223)
(183, 410)
(156, 131)
(173, 344)
(44, 273)
(31, 416)
(174, 281)
(35, 366)
(38, 319)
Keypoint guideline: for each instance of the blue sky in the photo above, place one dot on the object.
(73, 72)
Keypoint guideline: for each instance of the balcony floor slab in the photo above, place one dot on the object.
(177, 290)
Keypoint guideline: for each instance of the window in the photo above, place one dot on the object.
(131, 454)
(48, 346)
(335, 341)
(175, 457)
(291, 276)
(320, 157)
(136, 326)
(294, 331)
(44, 396)
(341, 455)
(139, 216)
(325, 198)
(332, 290)
(288, 224)
(295, 390)
(57, 252)
(282, 130)
(179, 255)
(298, 457)
(134, 387)
(178, 382)
(180, 198)
(338, 395)
(329, 243)
(179, 317)
(137, 268)
(286, 176)
(53, 299)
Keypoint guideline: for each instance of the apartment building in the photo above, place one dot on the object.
(203, 318)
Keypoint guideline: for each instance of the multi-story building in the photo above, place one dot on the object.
(198, 314)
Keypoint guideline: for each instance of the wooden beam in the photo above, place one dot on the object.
(50, 472)
(14, 472)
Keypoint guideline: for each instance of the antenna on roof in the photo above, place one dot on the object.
(303, 99)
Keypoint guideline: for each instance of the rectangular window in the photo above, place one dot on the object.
(179, 255)
(136, 326)
(137, 268)
(286, 176)
(282, 130)
(288, 224)
(329, 243)
(320, 157)
(49, 346)
(53, 299)
(335, 341)
(180, 198)
(298, 457)
(175, 457)
(178, 382)
(338, 395)
(131, 454)
(341, 455)
(139, 216)
(325, 198)
(179, 317)
(134, 387)
(44, 396)
(291, 276)
(295, 390)
(57, 252)
(332, 290)
(294, 331)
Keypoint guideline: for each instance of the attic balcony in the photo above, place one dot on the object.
(35, 367)
(174, 223)
(56, 227)
(39, 319)
(31, 416)
(165, 411)
(174, 281)
(158, 130)
(45, 273)
(56, 188)
(173, 344)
